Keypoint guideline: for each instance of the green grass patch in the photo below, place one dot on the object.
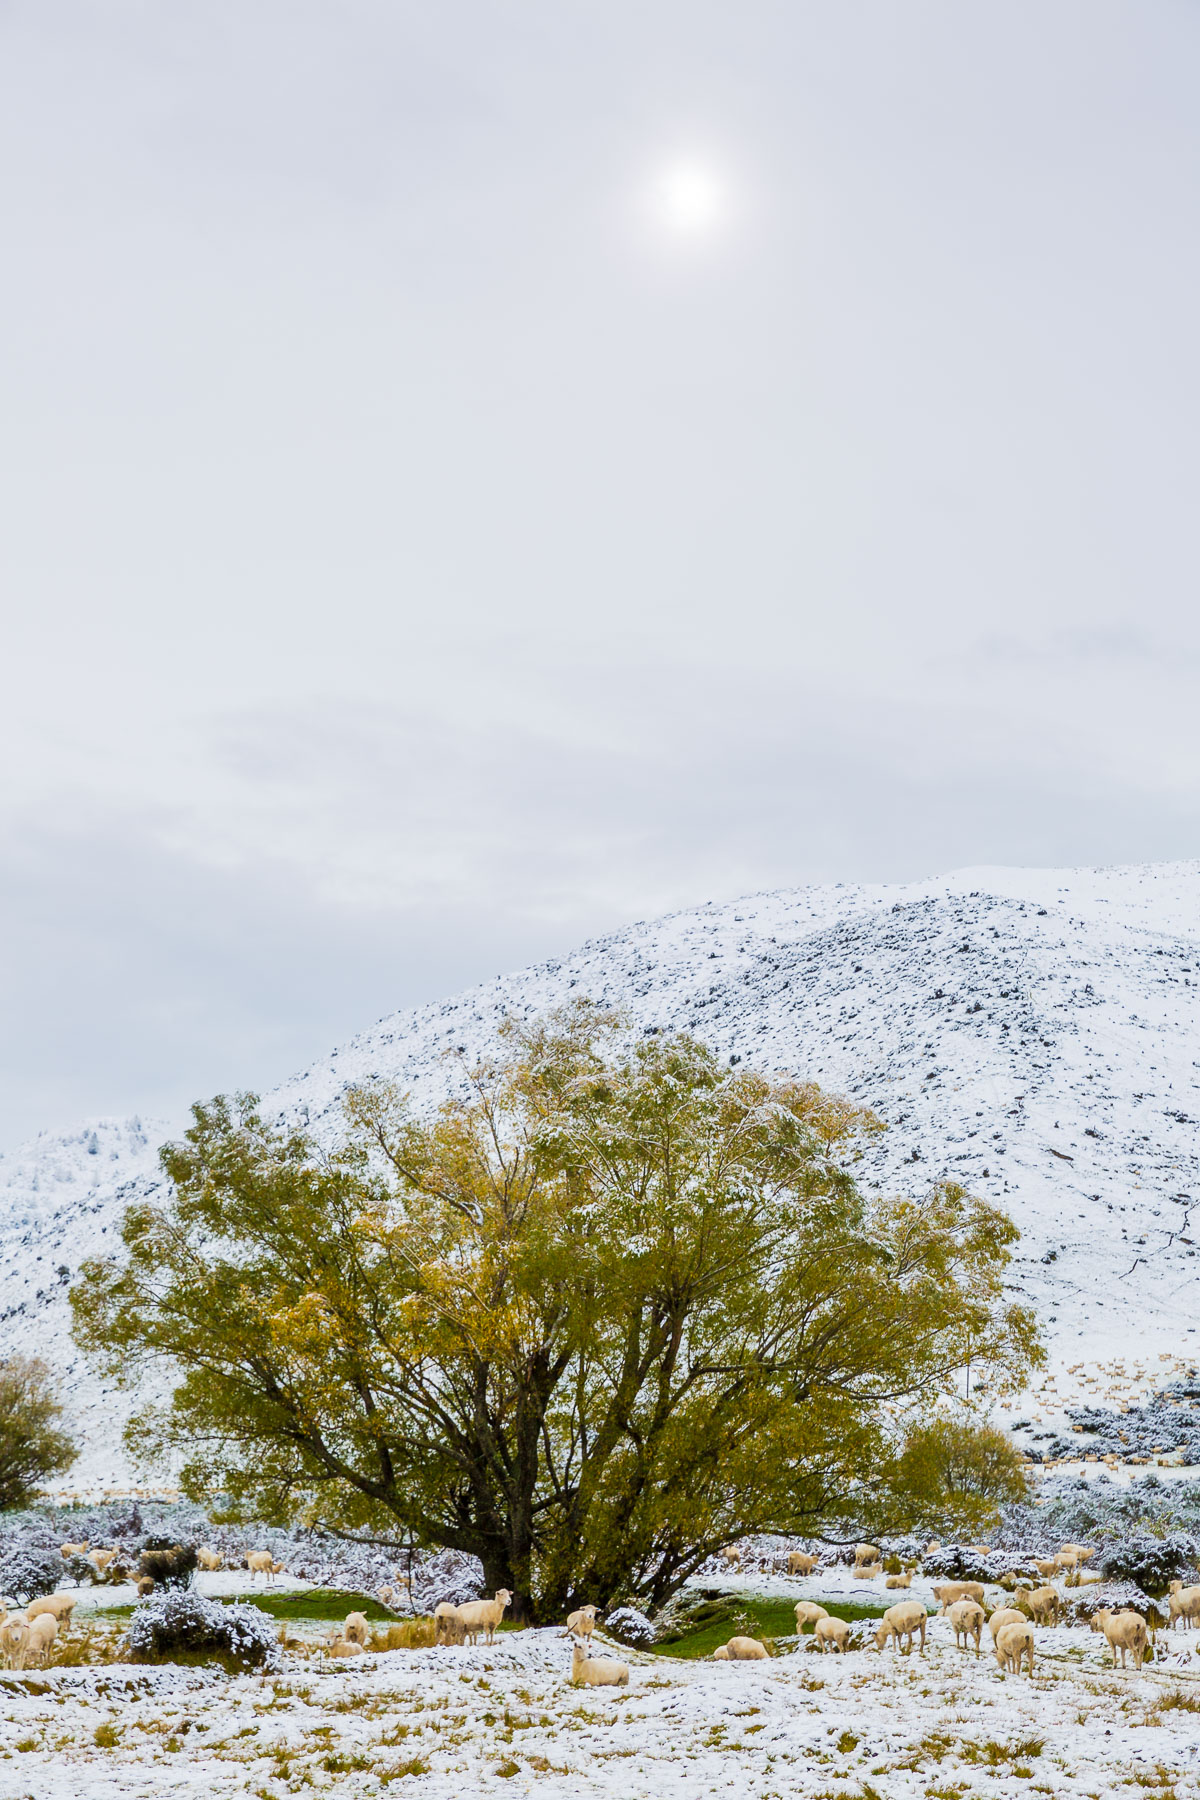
(746, 1616)
(328, 1606)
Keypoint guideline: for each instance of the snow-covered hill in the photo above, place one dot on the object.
(1032, 1033)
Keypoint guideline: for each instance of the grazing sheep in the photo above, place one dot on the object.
(483, 1615)
(980, 1549)
(732, 1555)
(345, 1647)
(593, 1671)
(1005, 1615)
(42, 1632)
(583, 1622)
(865, 1555)
(1081, 1552)
(832, 1634)
(808, 1612)
(448, 1628)
(899, 1581)
(1124, 1631)
(1013, 1643)
(14, 1635)
(59, 1606)
(744, 1649)
(70, 1550)
(902, 1621)
(260, 1562)
(144, 1585)
(1183, 1603)
(950, 1591)
(385, 1595)
(210, 1559)
(800, 1563)
(1067, 1559)
(1043, 1604)
(100, 1560)
(356, 1630)
(967, 1618)
(932, 1549)
(1046, 1569)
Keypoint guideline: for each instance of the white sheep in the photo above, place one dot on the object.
(865, 1555)
(14, 1636)
(447, 1626)
(42, 1632)
(832, 1634)
(967, 1618)
(60, 1606)
(356, 1630)
(594, 1671)
(800, 1563)
(385, 1595)
(582, 1623)
(743, 1649)
(950, 1591)
(209, 1559)
(483, 1615)
(70, 1550)
(261, 1562)
(1183, 1603)
(344, 1647)
(902, 1621)
(1124, 1631)
(1013, 1642)
(1047, 1570)
(1043, 1604)
(899, 1581)
(808, 1612)
(1005, 1615)
(732, 1556)
(100, 1559)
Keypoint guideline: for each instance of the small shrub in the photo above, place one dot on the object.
(170, 1566)
(186, 1627)
(106, 1736)
(416, 1765)
(508, 1768)
(27, 1572)
(629, 1626)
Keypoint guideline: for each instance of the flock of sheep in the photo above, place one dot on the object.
(29, 1635)
(961, 1602)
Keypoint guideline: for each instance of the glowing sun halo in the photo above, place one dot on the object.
(690, 200)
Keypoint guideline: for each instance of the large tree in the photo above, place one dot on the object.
(610, 1308)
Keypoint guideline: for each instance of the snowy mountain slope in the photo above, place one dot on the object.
(1032, 1033)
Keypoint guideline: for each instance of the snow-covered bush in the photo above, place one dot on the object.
(629, 1626)
(184, 1622)
(1152, 1562)
(168, 1565)
(27, 1572)
(958, 1562)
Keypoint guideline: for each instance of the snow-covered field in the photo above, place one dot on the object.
(452, 1722)
(1033, 1033)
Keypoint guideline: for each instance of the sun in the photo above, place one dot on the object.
(690, 200)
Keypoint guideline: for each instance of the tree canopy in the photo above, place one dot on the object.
(612, 1306)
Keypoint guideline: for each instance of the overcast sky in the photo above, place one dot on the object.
(429, 538)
